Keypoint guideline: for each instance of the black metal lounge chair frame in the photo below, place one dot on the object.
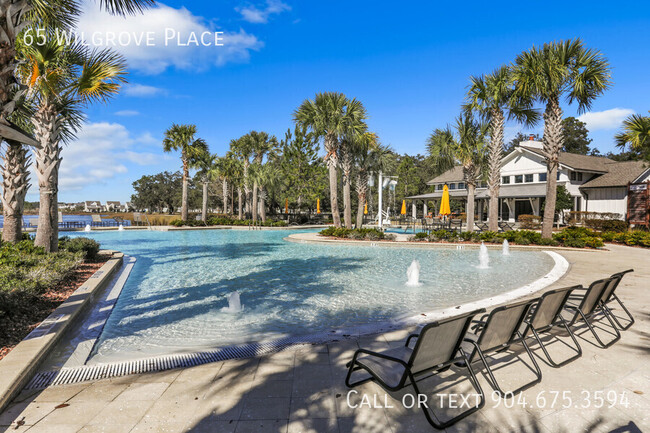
(590, 305)
(515, 337)
(555, 320)
(410, 375)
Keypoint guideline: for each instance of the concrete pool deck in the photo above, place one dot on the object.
(303, 390)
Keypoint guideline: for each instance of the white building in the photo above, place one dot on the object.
(597, 184)
(93, 206)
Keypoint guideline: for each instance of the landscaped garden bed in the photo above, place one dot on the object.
(33, 283)
(226, 221)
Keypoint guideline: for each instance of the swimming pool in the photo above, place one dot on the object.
(174, 296)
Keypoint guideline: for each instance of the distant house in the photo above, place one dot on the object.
(129, 207)
(114, 206)
(596, 184)
(93, 206)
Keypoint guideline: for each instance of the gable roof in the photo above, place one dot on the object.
(578, 162)
(453, 175)
(618, 174)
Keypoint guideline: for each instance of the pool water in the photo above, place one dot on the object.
(173, 298)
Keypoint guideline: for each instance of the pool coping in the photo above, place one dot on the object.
(317, 239)
(21, 363)
(103, 370)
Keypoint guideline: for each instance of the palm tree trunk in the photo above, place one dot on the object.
(346, 167)
(204, 208)
(247, 190)
(553, 142)
(186, 175)
(262, 205)
(469, 209)
(362, 191)
(239, 203)
(15, 183)
(332, 162)
(47, 169)
(224, 190)
(232, 200)
(494, 162)
(255, 200)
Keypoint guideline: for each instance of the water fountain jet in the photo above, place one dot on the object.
(483, 257)
(120, 228)
(87, 228)
(413, 274)
(506, 248)
(234, 303)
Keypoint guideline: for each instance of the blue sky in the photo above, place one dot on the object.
(408, 62)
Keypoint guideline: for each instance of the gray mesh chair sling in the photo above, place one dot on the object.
(497, 334)
(609, 296)
(591, 304)
(436, 348)
(547, 314)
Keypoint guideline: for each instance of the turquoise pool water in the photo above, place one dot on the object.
(173, 299)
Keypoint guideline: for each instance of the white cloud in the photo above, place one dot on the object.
(99, 154)
(127, 113)
(141, 90)
(608, 119)
(160, 38)
(253, 14)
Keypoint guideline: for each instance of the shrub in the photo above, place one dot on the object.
(420, 236)
(328, 231)
(488, 236)
(357, 235)
(593, 242)
(374, 235)
(605, 225)
(89, 247)
(548, 242)
(575, 242)
(529, 221)
(390, 236)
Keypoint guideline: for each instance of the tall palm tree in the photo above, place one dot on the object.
(262, 144)
(330, 116)
(205, 164)
(549, 73)
(369, 158)
(18, 15)
(61, 80)
(181, 137)
(15, 183)
(492, 97)
(242, 148)
(467, 148)
(636, 133)
(350, 146)
(221, 171)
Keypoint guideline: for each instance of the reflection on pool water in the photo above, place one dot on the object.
(175, 296)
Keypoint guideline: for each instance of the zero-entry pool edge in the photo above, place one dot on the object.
(69, 375)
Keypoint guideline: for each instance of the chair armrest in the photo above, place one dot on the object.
(408, 340)
(378, 355)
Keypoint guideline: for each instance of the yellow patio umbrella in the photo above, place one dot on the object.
(286, 205)
(318, 205)
(365, 209)
(444, 203)
(403, 211)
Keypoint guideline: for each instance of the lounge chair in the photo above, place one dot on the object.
(609, 296)
(437, 347)
(591, 304)
(547, 314)
(498, 332)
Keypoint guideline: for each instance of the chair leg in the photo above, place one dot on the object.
(353, 367)
(577, 347)
(629, 315)
(444, 424)
(593, 331)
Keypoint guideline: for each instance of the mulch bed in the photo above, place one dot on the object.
(41, 306)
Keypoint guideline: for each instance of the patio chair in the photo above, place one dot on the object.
(482, 227)
(609, 296)
(456, 224)
(591, 304)
(498, 332)
(505, 226)
(436, 348)
(547, 314)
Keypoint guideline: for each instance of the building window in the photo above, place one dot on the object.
(519, 178)
(505, 179)
(452, 186)
(573, 175)
(461, 185)
(579, 176)
(439, 187)
(528, 178)
(542, 177)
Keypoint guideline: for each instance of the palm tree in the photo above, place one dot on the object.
(220, 171)
(262, 144)
(17, 15)
(468, 149)
(61, 80)
(15, 183)
(369, 158)
(330, 116)
(636, 133)
(350, 146)
(242, 148)
(181, 137)
(549, 73)
(492, 98)
(205, 164)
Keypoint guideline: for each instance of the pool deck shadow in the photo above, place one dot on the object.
(303, 390)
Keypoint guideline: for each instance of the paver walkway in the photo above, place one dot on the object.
(304, 391)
